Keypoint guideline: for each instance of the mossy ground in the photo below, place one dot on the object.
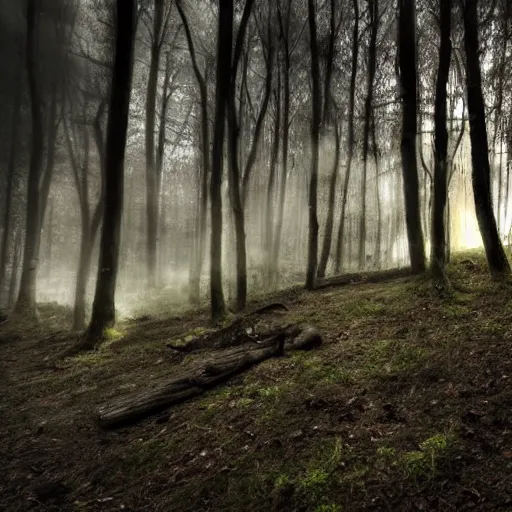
(407, 406)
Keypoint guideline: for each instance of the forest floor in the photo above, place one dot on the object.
(406, 406)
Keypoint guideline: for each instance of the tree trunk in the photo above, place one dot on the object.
(378, 245)
(408, 78)
(438, 234)
(315, 139)
(151, 171)
(52, 126)
(15, 122)
(351, 137)
(270, 265)
(496, 258)
(103, 310)
(16, 259)
(235, 186)
(329, 224)
(373, 8)
(224, 44)
(49, 242)
(84, 266)
(26, 303)
(284, 169)
(205, 154)
(326, 120)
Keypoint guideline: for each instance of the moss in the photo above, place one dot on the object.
(424, 462)
(111, 334)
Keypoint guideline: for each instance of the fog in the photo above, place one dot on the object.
(166, 227)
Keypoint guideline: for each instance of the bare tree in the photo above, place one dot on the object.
(103, 310)
(222, 88)
(496, 258)
(26, 302)
(438, 235)
(408, 79)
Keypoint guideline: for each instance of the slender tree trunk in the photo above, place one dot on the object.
(26, 303)
(49, 241)
(84, 266)
(224, 44)
(438, 234)
(52, 124)
(329, 224)
(315, 140)
(285, 149)
(326, 120)
(205, 154)
(103, 310)
(15, 122)
(408, 78)
(496, 258)
(151, 171)
(270, 265)
(376, 161)
(16, 259)
(373, 8)
(351, 137)
(234, 177)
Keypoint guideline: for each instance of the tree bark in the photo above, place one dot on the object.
(11, 168)
(26, 303)
(205, 154)
(224, 50)
(326, 119)
(496, 258)
(16, 259)
(284, 25)
(103, 310)
(315, 140)
(408, 79)
(351, 137)
(269, 211)
(373, 9)
(329, 224)
(151, 171)
(438, 234)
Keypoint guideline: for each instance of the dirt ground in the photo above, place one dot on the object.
(407, 406)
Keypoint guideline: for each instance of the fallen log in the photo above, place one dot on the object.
(237, 333)
(362, 277)
(203, 376)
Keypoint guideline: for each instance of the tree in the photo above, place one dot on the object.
(438, 235)
(77, 141)
(205, 157)
(327, 117)
(236, 192)
(15, 122)
(350, 136)
(103, 310)
(373, 9)
(222, 89)
(153, 172)
(26, 303)
(316, 100)
(481, 175)
(408, 80)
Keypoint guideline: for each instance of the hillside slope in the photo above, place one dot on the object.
(406, 406)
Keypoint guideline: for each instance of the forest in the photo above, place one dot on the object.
(255, 255)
